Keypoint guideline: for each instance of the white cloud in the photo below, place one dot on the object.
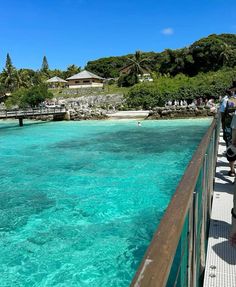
(168, 31)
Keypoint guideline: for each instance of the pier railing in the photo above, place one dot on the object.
(176, 254)
(31, 112)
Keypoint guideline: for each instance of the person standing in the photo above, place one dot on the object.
(227, 111)
(222, 108)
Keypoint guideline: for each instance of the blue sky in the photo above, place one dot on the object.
(76, 31)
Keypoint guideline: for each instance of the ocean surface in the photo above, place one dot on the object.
(80, 201)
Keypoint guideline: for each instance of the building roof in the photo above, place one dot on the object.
(84, 75)
(56, 80)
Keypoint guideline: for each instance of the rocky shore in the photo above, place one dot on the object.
(98, 107)
(158, 113)
(173, 112)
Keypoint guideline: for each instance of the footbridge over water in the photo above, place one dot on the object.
(28, 113)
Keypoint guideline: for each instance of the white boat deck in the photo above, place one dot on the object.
(221, 256)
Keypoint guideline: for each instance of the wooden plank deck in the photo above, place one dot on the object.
(221, 256)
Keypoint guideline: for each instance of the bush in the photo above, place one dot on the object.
(30, 97)
(145, 96)
(180, 87)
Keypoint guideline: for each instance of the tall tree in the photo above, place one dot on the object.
(45, 66)
(137, 64)
(9, 64)
(9, 75)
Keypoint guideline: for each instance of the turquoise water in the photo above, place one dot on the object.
(80, 201)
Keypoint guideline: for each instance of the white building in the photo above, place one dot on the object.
(145, 78)
(85, 79)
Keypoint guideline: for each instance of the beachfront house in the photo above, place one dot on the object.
(56, 82)
(146, 77)
(85, 79)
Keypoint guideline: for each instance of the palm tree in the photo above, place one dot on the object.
(24, 77)
(137, 65)
(225, 53)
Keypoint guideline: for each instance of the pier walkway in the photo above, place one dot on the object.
(220, 270)
(22, 114)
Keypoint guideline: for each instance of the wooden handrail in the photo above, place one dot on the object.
(155, 267)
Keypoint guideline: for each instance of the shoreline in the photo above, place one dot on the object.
(110, 119)
(98, 113)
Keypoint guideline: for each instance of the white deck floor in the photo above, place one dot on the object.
(221, 256)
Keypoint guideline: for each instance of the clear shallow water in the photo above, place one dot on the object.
(80, 201)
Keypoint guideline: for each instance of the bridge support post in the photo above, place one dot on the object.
(67, 116)
(21, 122)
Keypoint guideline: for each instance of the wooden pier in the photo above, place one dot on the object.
(23, 114)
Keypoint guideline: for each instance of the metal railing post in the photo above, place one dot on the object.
(204, 212)
(194, 255)
(191, 248)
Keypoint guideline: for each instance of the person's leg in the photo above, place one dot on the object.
(232, 235)
(223, 125)
(234, 136)
(232, 163)
(232, 169)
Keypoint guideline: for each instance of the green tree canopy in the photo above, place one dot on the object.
(207, 54)
(71, 70)
(31, 97)
(181, 87)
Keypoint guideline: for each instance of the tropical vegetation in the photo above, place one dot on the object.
(207, 54)
(204, 69)
(180, 87)
(31, 97)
